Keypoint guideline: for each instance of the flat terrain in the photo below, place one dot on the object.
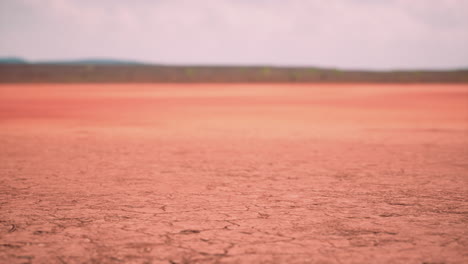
(239, 173)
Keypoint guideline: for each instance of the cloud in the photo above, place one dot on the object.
(336, 33)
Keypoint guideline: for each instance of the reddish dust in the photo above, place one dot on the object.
(221, 173)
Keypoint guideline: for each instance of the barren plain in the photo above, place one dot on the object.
(233, 173)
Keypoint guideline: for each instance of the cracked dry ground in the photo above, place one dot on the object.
(233, 173)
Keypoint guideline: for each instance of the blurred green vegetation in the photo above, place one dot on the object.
(266, 71)
(189, 72)
(14, 73)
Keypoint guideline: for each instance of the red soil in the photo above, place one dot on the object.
(234, 173)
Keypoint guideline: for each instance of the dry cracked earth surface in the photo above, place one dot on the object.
(219, 173)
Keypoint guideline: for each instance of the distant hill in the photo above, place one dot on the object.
(92, 61)
(12, 60)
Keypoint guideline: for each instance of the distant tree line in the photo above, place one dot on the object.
(121, 73)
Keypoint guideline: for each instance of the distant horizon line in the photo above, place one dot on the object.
(4, 60)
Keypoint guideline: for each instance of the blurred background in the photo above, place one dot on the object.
(363, 35)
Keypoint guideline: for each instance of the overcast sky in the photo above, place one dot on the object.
(365, 34)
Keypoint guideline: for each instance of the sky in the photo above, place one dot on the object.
(348, 34)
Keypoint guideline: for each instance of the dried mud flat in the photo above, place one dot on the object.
(233, 173)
